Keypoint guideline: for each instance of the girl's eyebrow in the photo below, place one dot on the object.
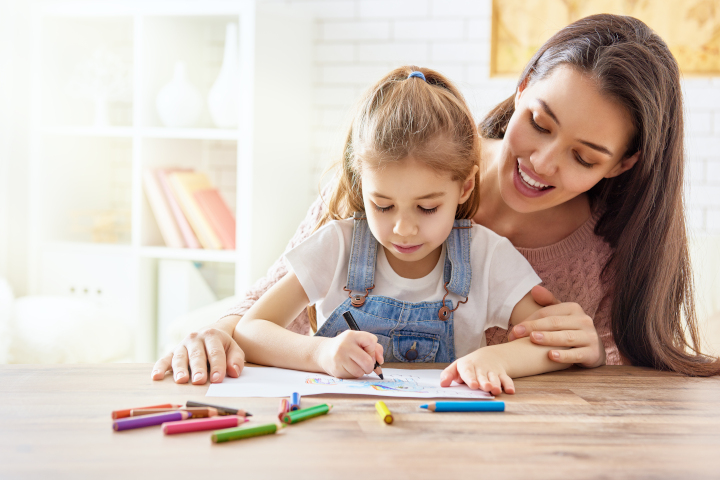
(594, 146)
(424, 197)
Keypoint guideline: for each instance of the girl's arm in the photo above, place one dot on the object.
(262, 335)
(493, 368)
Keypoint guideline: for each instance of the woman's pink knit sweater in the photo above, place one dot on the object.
(570, 269)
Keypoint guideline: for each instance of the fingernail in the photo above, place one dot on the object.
(555, 355)
(154, 372)
(179, 375)
(197, 376)
(216, 377)
(237, 370)
(519, 330)
(537, 335)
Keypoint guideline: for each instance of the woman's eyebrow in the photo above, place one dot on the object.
(594, 146)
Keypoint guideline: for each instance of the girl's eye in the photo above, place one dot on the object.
(383, 209)
(428, 211)
(582, 162)
(536, 126)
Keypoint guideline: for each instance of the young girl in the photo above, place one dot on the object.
(422, 282)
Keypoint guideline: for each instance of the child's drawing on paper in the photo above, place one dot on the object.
(391, 383)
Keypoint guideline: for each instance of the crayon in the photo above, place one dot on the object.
(305, 413)
(221, 410)
(126, 413)
(295, 402)
(284, 408)
(350, 320)
(184, 426)
(230, 434)
(198, 412)
(481, 406)
(384, 412)
(149, 420)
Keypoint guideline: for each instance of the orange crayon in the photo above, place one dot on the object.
(126, 413)
(197, 412)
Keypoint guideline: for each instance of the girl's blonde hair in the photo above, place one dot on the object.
(401, 117)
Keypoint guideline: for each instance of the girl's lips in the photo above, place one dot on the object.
(525, 188)
(411, 249)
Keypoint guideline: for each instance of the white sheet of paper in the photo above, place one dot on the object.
(279, 382)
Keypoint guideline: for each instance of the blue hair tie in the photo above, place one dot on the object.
(418, 75)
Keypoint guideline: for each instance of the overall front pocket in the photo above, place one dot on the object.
(415, 347)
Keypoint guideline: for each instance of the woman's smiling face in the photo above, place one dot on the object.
(563, 138)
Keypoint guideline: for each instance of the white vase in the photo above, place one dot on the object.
(179, 103)
(224, 96)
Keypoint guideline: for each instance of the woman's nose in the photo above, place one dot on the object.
(544, 160)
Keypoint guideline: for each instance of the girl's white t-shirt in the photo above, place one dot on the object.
(501, 277)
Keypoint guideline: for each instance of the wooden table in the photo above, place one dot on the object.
(611, 422)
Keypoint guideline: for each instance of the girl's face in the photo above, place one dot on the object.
(410, 210)
(563, 138)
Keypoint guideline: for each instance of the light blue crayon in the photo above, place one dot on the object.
(295, 402)
(482, 406)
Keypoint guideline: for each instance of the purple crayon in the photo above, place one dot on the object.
(149, 420)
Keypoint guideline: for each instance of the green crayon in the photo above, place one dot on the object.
(305, 413)
(237, 433)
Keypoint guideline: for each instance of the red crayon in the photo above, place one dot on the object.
(213, 423)
(284, 408)
(126, 413)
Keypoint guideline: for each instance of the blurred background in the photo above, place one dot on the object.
(156, 156)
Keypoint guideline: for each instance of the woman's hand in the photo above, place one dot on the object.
(482, 369)
(351, 354)
(562, 325)
(213, 344)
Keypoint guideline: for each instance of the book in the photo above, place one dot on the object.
(184, 185)
(189, 237)
(169, 229)
(218, 215)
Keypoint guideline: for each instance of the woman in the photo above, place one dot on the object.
(584, 175)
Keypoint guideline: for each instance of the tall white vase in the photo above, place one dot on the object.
(179, 103)
(224, 96)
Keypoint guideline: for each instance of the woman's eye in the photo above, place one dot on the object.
(383, 209)
(581, 161)
(536, 126)
(428, 211)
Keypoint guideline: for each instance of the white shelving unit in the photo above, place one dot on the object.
(82, 174)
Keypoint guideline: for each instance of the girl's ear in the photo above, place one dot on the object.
(519, 91)
(624, 165)
(468, 186)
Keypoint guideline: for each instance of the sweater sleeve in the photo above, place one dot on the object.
(280, 268)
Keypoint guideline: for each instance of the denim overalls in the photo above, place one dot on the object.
(408, 332)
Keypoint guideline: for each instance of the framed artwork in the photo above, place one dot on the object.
(691, 28)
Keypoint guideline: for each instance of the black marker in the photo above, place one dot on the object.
(354, 326)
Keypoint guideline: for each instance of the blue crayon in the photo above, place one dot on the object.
(295, 402)
(482, 406)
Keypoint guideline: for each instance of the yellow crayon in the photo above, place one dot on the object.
(382, 409)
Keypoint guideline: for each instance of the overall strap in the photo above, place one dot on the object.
(458, 269)
(363, 255)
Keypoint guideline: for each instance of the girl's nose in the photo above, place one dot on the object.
(405, 226)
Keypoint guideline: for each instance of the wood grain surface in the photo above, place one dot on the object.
(610, 422)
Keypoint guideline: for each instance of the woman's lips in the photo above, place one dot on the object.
(525, 188)
(407, 249)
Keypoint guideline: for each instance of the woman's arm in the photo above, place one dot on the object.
(263, 336)
(214, 344)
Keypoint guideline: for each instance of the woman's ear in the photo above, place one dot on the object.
(624, 165)
(468, 186)
(520, 89)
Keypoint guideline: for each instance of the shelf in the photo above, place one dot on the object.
(190, 133)
(88, 247)
(120, 132)
(192, 254)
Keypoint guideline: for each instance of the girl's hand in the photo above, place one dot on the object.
(482, 369)
(351, 354)
(211, 344)
(562, 325)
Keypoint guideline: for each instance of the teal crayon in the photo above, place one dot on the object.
(482, 406)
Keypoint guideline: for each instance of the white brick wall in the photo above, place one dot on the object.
(357, 41)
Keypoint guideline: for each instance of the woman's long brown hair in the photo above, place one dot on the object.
(653, 315)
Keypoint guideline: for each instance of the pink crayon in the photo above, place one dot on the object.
(149, 420)
(212, 423)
